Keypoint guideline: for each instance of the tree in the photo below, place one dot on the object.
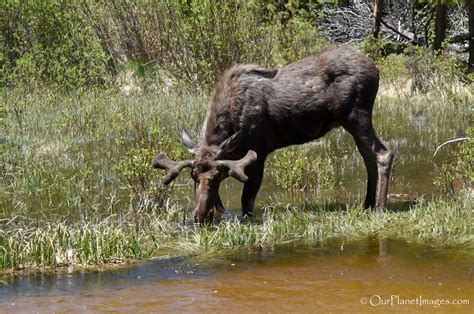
(440, 25)
(378, 8)
(470, 62)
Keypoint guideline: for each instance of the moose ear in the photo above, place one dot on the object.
(187, 142)
(230, 144)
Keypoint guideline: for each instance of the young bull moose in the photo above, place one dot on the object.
(255, 111)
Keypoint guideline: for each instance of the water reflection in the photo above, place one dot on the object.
(334, 275)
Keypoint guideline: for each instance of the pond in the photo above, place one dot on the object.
(374, 274)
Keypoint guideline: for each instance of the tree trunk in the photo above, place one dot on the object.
(378, 8)
(440, 25)
(470, 62)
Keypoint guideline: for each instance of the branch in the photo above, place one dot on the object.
(448, 142)
(396, 31)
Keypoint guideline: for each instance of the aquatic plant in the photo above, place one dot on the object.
(301, 168)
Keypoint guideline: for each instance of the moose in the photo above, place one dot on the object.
(255, 111)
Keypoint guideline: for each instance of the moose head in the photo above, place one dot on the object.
(209, 169)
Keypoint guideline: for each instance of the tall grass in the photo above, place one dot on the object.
(434, 222)
(73, 152)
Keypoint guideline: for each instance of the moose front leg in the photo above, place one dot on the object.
(217, 210)
(219, 206)
(251, 187)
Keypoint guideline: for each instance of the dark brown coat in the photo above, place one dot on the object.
(254, 109)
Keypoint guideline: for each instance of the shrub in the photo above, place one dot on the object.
(73, 43)
(49, 41)
(457, 173)
(300, 169)
(431, 71)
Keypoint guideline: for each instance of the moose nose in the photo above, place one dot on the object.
(202, 208)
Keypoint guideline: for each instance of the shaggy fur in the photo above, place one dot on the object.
(261, 110)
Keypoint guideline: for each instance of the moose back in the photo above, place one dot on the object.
(255, 111)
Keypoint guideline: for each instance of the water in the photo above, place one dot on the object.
(385, 273)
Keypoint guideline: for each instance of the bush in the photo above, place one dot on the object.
(300, 169)
(141, 180)
(49, 42)
(73, 43)
(430, 70)
(194, 41)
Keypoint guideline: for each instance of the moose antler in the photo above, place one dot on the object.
(237, 167)
(174, 168)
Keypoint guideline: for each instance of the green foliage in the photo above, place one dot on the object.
(432, 71)
(73, 43)
(392, 68)
(295, 39)
(457, 173)
(301, 169)
(49, 42)
(379, 48)
(194, 41)
(141, 179)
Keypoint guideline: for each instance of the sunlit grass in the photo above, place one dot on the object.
(61, 152)
(33, 244)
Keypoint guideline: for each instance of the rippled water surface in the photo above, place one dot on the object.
(365, 275)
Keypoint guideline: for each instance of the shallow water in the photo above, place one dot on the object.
(411, 128)
(373, 274)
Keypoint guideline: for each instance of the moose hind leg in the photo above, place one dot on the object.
(384, 166)
(378, 161)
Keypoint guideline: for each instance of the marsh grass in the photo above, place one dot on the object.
(76, 187)
(299, 168)
(33, 244)
(73, 153)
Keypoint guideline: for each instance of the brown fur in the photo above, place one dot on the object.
(270, 109)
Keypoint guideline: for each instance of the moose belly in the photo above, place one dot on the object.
(302, 129)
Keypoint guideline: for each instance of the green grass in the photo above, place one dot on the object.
(33, 244)
(64, 153)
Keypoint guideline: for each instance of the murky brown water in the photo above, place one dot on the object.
(360, 276)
